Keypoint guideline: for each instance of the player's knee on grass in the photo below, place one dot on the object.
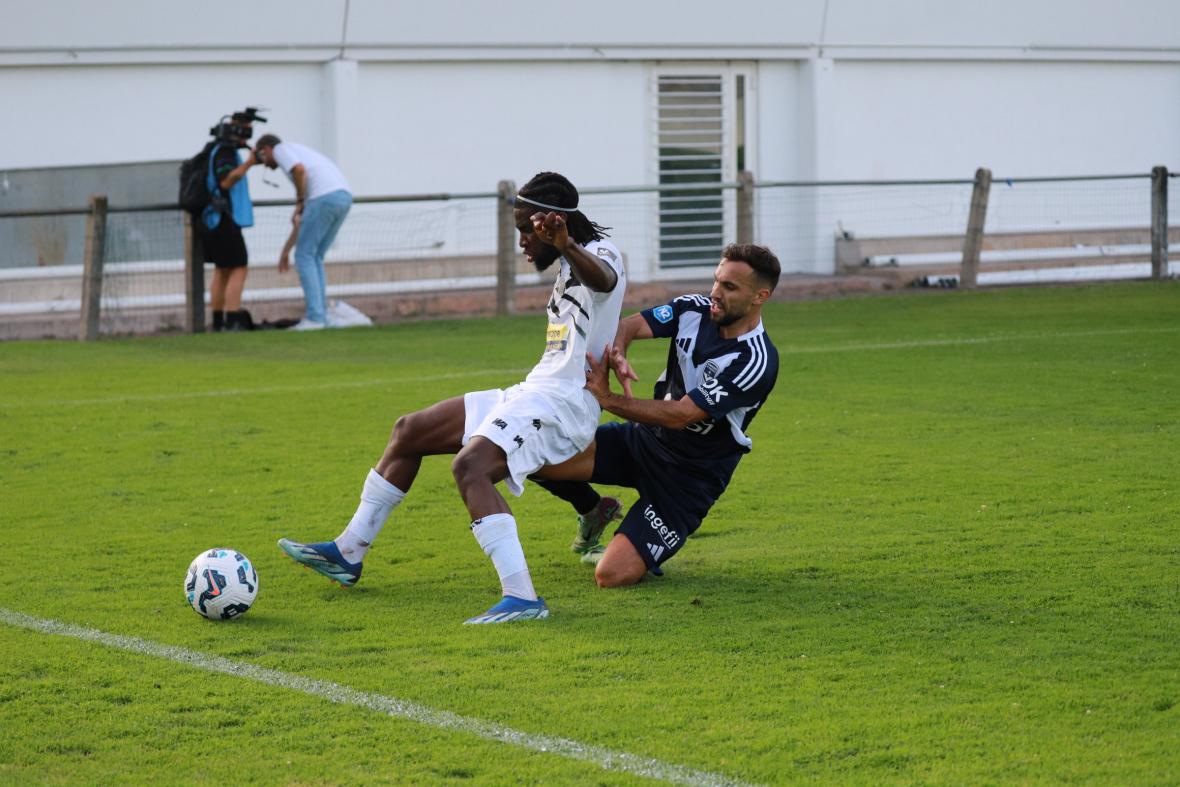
(615, 578)
(620, 566)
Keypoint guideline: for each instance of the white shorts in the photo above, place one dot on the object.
(526, 424)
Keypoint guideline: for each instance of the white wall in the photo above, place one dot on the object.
(453, 95)
(780, 118)
(933, 119)
(433, 127)
(1003, 28)
(83, 32)
(63, 116)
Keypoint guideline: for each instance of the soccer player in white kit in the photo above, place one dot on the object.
(504, 435)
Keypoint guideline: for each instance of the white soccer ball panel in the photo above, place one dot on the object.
(221, 584)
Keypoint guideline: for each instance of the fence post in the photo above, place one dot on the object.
(505, 248)
(1159, 223)
(973, 243)
(194, 277)
(94, 255)
(745, 207)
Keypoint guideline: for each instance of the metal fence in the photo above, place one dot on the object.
(138, 272)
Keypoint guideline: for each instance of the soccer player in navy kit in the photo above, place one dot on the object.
(680, 449)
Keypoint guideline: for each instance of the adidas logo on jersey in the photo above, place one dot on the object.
(655, 551)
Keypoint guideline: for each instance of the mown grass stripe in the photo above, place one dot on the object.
(270, 389)
(606, 759)
(783, 350)
(970, 340)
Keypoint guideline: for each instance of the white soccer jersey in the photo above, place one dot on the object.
(580, 321)
(551, 416)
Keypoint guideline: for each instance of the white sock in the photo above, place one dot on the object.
(378, 499)
(497, 535)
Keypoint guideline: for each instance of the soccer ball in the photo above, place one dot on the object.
(221, 584)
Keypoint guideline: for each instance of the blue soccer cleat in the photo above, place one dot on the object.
(323, 558)
(512, 608)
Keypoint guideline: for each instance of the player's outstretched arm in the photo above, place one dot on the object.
(630, 329)
(671, 414)
(590, 270)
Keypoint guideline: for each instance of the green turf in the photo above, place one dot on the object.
(952, 558)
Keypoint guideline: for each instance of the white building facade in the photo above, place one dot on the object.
(455, 95)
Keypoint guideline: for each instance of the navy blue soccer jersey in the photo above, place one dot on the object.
(727, 378)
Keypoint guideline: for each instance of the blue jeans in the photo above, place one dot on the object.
(321, 221)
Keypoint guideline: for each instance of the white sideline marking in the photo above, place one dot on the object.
(606, 759)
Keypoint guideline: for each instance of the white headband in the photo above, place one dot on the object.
(543, 205)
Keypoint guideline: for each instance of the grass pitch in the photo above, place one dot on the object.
(951, 558)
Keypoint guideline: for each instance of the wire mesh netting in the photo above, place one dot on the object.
(143, 288)
(1036, 230)
(803, 222)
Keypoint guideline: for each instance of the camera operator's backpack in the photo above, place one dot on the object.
(194, 190)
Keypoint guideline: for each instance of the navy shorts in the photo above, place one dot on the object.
(675, 493)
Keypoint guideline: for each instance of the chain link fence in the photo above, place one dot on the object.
(86, 272)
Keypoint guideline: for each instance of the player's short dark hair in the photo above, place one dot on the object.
(267, 141)
(760, 258)
(554, 189)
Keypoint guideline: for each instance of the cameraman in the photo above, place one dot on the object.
(223, 219)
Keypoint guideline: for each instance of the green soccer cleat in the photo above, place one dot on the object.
(591, 525)
(593, 554)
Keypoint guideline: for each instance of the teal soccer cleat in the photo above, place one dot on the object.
(323, 558)
(512, 608)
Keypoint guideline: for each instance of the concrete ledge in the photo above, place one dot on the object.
(439, 304)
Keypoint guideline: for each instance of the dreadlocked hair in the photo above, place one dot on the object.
(554, 189)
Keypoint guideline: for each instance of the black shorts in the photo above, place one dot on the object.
(224, 247)
(675, 493)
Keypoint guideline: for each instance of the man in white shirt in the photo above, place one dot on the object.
(322, 200)
(504, 435)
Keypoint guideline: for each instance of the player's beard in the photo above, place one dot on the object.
(726, 320)
(544, 265)
(727, 317)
